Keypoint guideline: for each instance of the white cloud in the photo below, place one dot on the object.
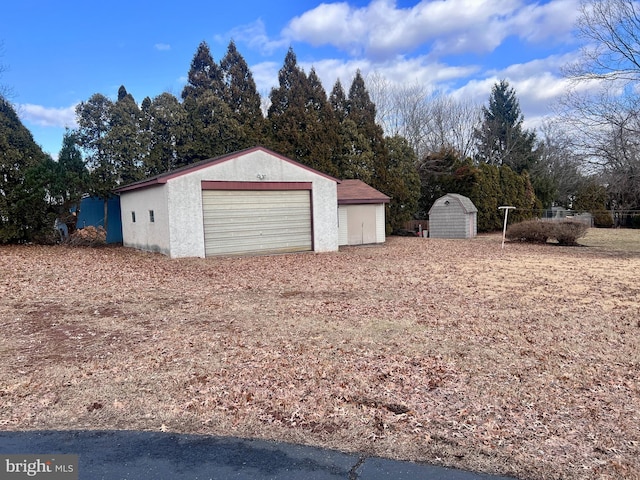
(162, 47)
(334, 24)
(255, 36)
(554, 21)
(265, 75)
(382, 30)
(48, 116)
(537, 83)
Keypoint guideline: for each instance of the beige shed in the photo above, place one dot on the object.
(361, 213)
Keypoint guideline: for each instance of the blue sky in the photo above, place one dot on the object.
(57, 54)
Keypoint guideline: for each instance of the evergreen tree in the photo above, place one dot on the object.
(517, 191)
(362, 112)
(71, 179)
(213, 128)
(167, 130)
(487, 186)
(300, 122)
(486, 195)
(404, 182)
(241, 95)
(501, 140)
(94, 123)
(322, 129)
(123, 139)
(353, 157)
(338, 102)
(434, 170)
(286, 118)
(23, 209)
(204, 75)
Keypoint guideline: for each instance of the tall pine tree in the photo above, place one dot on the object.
(242, 97)
(501, 139)
(322, 129)
(353, 158)
(23, 209)
(286, 119)
(167, 129)
(362, 112)
(124, 138)
(213, 128)
(73, 174)
(94, 123)
(403, 182)
(204, 75)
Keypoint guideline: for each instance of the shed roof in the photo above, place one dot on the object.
(352, 192)
(465, 203)
(164, 177)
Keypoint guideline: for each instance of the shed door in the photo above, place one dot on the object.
(249, 221)
(362, 224)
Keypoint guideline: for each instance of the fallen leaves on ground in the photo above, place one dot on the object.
(522, 361)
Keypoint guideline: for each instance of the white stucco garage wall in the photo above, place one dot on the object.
(144, 234)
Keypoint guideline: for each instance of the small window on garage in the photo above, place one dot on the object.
(133, 217)
(151, 216)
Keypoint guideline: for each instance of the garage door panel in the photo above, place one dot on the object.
(237, 222)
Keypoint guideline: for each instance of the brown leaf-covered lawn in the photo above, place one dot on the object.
(523, 361)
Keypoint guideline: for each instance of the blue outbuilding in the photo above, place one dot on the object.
(92, 214)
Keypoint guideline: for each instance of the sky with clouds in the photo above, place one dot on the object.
(57, 54)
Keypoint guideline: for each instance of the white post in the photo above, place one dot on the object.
(504, 229)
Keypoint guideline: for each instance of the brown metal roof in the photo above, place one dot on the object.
(351, 192)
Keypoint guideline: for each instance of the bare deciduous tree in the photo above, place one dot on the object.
(452, 123)
(430, 121)
(606, 119)
(611, 32)
(560, 161)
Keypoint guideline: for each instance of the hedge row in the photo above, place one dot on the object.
(536, 231)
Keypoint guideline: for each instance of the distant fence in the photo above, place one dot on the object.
(416, 225)
(585, 218)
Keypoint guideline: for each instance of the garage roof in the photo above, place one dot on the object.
(353, 192)
(164, 177)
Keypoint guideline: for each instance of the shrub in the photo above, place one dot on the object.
(531, 231)
(568, 233)
(602, 219)
(535, 231)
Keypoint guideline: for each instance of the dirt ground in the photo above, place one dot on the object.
(523, 361)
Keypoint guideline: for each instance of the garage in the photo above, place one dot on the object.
(254, 201)
(257, 221)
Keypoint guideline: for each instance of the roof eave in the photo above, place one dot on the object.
(138, 185)
(361, 201)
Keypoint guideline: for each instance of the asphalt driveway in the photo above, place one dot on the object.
(132, 455)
